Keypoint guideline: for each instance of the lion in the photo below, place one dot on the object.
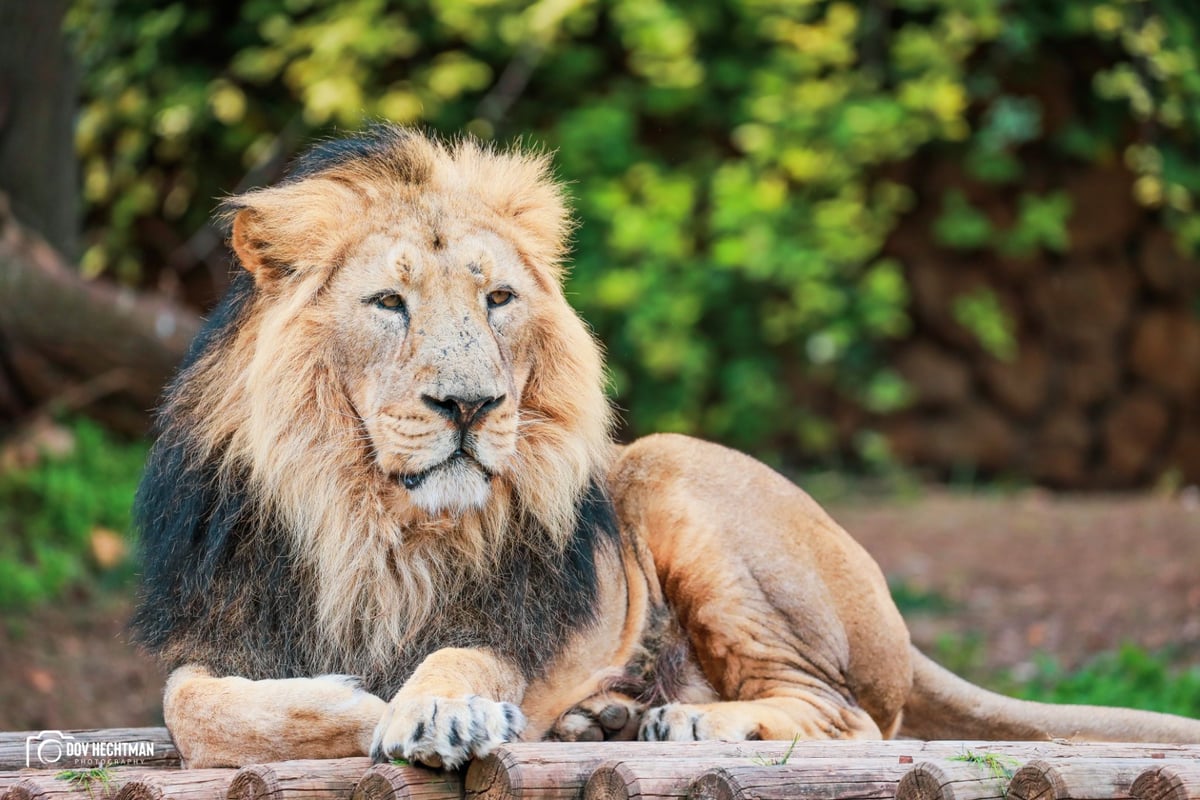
(385, 513)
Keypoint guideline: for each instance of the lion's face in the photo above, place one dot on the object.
(433, 348)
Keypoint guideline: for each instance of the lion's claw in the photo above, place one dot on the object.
(444, 732)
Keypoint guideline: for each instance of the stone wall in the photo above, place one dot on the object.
(1104, 391)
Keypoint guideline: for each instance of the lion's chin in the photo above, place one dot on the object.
(454, 486)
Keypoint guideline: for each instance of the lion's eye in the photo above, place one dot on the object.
(499, 297)
(390, 302)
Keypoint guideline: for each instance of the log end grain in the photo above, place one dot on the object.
(1167, 783)
(185, 784)
(394, 782)
(141, 789)
(716, 784)
(922, 782)
(25, 789)
(381, 782)
(612, 780)
(952, 780)
(1037, 780)
(256, 782)
(494, 777)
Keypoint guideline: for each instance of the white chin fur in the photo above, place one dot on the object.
(454, 488)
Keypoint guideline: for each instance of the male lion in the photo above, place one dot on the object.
(384, 513)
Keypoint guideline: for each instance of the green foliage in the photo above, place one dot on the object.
(1001, 768)
(1006, 124)
(1129, 677)
(729, 160)
(780, 761)
(981, 313)
(963, 655)
(86, 780)
(912, 599)
(960, 226)
(1041, 224)
(50, 514)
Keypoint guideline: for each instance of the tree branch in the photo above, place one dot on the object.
(63, 332)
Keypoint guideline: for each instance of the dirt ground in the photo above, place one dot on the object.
(1066, 576)
(1020, 575)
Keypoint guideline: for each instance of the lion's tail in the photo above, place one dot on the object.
(944, 706)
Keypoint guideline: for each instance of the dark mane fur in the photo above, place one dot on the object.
(381, 147)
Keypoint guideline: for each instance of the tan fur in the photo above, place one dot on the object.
(734, 605)
(787, 614)
(223, 721)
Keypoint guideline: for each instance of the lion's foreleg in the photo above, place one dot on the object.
(458, 704)
(232, 721)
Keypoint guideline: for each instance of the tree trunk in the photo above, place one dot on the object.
(37, 121)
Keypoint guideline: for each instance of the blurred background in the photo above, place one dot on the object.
(935, 259)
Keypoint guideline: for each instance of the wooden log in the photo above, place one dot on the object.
(60, 785)
(817, 779)
(1077, 778)
(641, 778)
(307, 779)
(561, 769)
(1168, 782)
(186, 784)
(976, 778)
(673, 777)
(19, 749)
(393, 782)
(45, 787)
(551, 770)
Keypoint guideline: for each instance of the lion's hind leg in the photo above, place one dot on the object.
(604, 716)
(763, 718)
(788, 618)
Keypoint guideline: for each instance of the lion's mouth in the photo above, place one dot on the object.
(460, 459)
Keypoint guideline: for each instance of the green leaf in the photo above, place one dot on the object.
(961, 226)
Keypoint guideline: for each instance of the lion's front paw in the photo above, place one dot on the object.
(680, 722)
(444, 732)
(603, 716)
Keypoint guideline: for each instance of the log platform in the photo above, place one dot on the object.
(99, 765)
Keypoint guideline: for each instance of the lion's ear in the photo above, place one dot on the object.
(291, 229)
(252, 250)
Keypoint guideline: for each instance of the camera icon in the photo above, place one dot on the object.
(47, 747)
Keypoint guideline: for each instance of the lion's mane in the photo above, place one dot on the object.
(269, 547)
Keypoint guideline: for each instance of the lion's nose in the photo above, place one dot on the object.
(462, 411)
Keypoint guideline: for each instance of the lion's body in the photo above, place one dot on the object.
(387, 457)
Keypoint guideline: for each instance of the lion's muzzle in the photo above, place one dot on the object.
(472, 433)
